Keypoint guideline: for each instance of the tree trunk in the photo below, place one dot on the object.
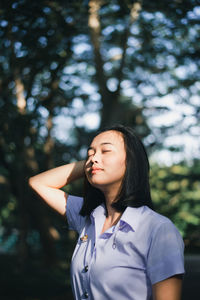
(110, 100)
(28, 209)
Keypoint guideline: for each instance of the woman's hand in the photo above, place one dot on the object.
(168, 289)
(48, 184)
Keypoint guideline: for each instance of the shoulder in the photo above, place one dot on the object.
(152, 225)
(74, 205)
(155, 220)
(144, 217)
(147, 222)
(74, 200)
(161, 231)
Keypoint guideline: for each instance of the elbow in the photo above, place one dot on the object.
(35, 183)
(31, 182)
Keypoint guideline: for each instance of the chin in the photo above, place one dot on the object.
(97, 183)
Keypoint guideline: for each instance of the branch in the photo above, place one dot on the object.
(49, 143)
(134, 13)
(95, 29)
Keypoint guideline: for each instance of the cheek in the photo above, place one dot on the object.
(118, 165)
(123, 167)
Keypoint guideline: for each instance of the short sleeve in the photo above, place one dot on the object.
(74, 219)
(166, 253)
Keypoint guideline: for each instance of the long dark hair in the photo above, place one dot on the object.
(135, 191)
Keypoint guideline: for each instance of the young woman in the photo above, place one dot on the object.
(125, 250)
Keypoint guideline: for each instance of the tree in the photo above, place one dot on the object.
(25, 67)
(116, 59)
(175, 191)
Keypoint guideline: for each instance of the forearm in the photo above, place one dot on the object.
(60, 176)
(48, 184)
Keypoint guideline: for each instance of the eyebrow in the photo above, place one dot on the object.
(105, 143)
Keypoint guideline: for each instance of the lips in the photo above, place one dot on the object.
(95, 170)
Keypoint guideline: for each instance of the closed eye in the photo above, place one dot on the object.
(90, 154)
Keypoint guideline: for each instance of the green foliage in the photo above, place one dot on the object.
(175, 193)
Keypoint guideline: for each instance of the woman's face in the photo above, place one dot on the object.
(106, 162)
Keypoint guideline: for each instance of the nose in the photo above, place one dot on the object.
(95, 158)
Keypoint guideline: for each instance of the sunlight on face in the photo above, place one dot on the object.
(106, 162)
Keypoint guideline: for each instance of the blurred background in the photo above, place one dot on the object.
(68, 69)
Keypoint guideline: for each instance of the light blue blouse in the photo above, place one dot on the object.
(127, 259)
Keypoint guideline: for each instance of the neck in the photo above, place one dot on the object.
(113, 215)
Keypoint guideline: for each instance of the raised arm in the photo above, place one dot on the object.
(48, 184)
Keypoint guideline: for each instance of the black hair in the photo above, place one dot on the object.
(135, 191)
